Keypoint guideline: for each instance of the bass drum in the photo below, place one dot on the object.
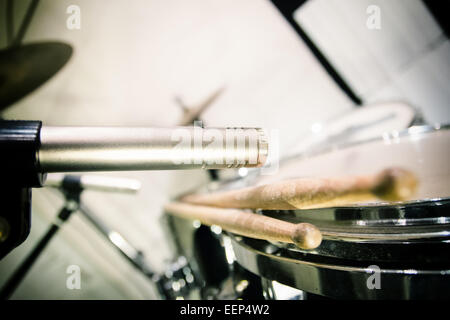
(370, 250)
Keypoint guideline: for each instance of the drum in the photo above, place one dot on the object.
(370, 250)
(406, 245)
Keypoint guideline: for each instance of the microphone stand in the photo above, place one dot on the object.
(71, 205)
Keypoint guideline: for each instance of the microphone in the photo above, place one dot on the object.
(30, 150)
(92, 182)
(70, 149)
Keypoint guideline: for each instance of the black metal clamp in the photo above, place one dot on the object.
(19, 145)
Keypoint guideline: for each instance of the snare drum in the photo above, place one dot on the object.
(370, 250)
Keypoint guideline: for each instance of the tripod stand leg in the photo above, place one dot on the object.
(17, 277)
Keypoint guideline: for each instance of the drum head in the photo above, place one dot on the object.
(424, 150)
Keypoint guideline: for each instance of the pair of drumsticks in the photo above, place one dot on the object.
(221, 208)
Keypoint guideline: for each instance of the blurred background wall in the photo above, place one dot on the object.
(132, 58)
(407, 59)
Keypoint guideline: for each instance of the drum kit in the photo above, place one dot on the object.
(404, 243)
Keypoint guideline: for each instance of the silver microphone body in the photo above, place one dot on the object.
(72, 149)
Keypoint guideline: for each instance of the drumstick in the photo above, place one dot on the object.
(304, 235)
(393, 184)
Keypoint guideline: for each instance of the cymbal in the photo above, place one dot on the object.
(26, 67)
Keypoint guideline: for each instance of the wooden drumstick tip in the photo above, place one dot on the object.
(306, 236)
(395, 184)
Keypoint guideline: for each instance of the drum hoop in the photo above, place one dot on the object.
(376, 222)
